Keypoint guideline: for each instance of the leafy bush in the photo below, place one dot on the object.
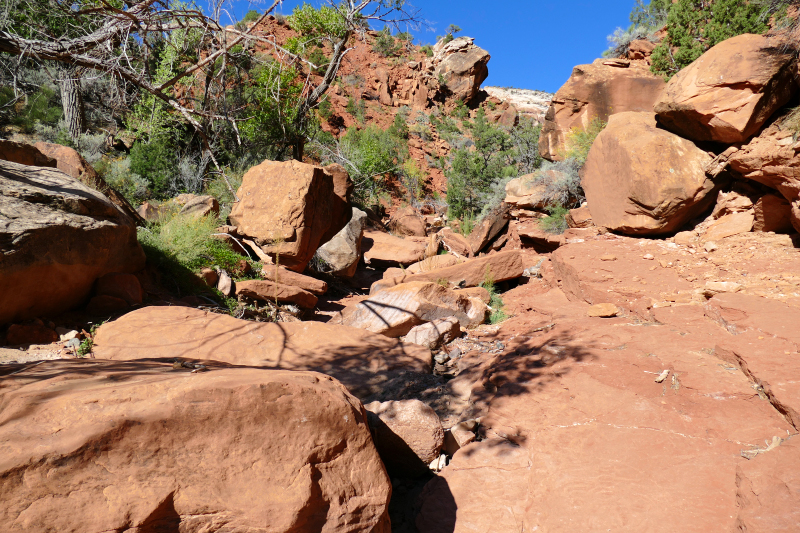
(218, 188)
(694, 27)
(427, 50)
(91, 146)
(183, 245)
(117, 173)
(556, 223)
(496, 303)
(43, 107)
(357, 108)
(251, 16)
(385, 44)
(325, 109)
(156, 162)
(565, 190)
(399, 126)
(525, 138)
(319, 58)
(413, 180)
(621, 40)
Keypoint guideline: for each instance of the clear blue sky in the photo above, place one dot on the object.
(534, 44)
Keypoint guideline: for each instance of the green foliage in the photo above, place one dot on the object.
(399, 127)
(413, 179)
(621, 39)
(218, 188)
(318, 57)
(562, 183)
(118, 175)
(694, 26)
(357, 108)
(181, 246)
(496, 303)
(525, 138)
(579, 141)
(427, 50)
(156, 162)
(325, 109)
(474, 170)
(460, 111)
(370, 155)
(251, 16)
(556, 222)
(326, 22)
(385, 44)
(452, 29)
(41, 107)
(466, 224)
(85, 347)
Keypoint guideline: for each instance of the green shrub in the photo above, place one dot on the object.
(400, 125)
(385, 44)
(319, 58)
(556, 222)
(325, 109)
(251, 16)
(620, 40)
(357, 108)
(496, 303)
(183, 245)
(117, 173)
(562, 183)
(42, 106)
(427, 50)
(156, 162)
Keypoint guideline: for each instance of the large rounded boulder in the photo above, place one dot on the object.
(57, 236)
(145, 446)
(729, 92)
(642, 180)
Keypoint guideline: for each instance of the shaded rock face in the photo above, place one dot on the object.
(270, 291)
(343, 252)
(641, 180)
(57, 236)
(341, 211)
(729, 92)
(25, 154)
(393, 312)
(287, 209)
(594, 91)
(771, 159)
(462, 65)
(407, 434)
(408, 221)
(69, 161)
(145, 460)
(359, 359)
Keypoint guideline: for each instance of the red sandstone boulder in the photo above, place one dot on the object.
(455, 243)
(341, 211)
(408, 221)
(729, 92)
(271, 291)
(394, 311)
(408, 435)
(501, 267)
(58, 237)
(124, 286)
(286, 208)
(594, 91)
(580, 217)
(70, 162)
(342, 253)
(438, 332)
(642, 180)
(359, 359)
(138, 444)
(490, 226)
(383, 249)
(25, 154)
(773, 213)
(288, 277)
(22, 334)
(462, 65)
(200, 206)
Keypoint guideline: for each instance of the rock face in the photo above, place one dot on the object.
(462, 65)
(729, 92)
(598, 90)
(359, 359)
(408, 221)
(525, 192)
(201, 206)
(433, 334)
(69, 161)
(341, 212)
(407, 434)
(144, 460)
(383, 249)
(25, 154)
(490, 227)
(641, 180)
(57, 237)
(343, 252)
(286, 208)
(394, 311)
(288, 277)
(502, 266)
(271, 291)
(771, 159)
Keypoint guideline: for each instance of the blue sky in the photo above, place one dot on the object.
(534, 44)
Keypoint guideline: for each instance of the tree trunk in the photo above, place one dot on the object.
(72, 101)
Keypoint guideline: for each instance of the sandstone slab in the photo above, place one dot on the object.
(408, 221)
(343, 252)
(383, 249)
(285, 276)
(361, 360)
(394, 311)
(272, 291)
(435, 333)
(500, 266)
